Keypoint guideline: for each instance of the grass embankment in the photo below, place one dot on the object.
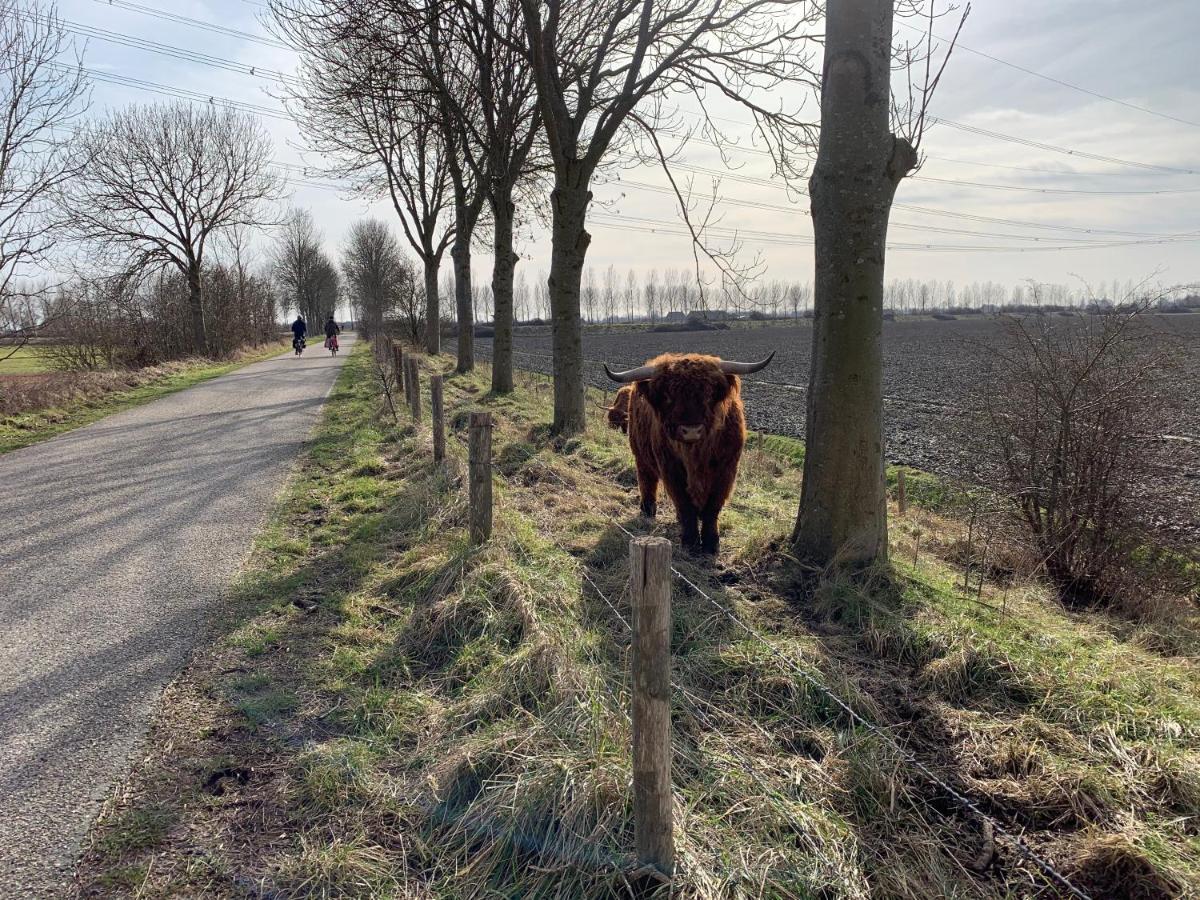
(397, 714)
(78, 399)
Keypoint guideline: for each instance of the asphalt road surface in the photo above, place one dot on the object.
(117, 542)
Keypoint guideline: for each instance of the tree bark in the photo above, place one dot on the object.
(503, 271)
(461, 253)
(196, 310)
(843, 502)
(569, 244)
(433, 316)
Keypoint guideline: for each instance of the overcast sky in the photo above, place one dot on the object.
(1142, 54)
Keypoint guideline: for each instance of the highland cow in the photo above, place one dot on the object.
(687, 429)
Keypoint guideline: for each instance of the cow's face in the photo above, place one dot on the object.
(688, 395)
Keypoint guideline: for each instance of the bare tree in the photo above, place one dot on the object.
(608, 296)
(307, 277)
(653, 296)
(255, 298)
(377, 274)
(604, 72)
(375, 123)
(161, 182)
(860, 162)
(497, 124)
(42, 91)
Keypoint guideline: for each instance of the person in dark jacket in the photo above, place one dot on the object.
(299, 330)
(332, 330)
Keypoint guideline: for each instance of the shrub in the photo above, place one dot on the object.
(1070, 416)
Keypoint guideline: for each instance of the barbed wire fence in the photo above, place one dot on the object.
(697, 706)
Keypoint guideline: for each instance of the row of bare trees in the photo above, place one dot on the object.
(146, 198)
(41, 96)
(503, 112)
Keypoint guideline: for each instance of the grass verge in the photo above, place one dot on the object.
(397, 714)
(87, 403)
(27, 360)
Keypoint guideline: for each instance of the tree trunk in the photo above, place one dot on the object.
(503, 269)
(433, 315)
(196, 310)
(461, 253)
(843, 505)
(569, 244)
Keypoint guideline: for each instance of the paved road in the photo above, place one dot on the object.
(116, 542)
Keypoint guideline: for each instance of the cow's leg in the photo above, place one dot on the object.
(674, 478)
(689, 528)
(722, 487)
(710, 534)
(648, 490)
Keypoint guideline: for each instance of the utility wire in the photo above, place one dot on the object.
(194, 23)
(179, 53)
(1053, 148)
(1059, 81)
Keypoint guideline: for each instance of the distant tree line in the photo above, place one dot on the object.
(611, 296)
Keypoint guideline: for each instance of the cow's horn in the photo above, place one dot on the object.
(730, 367)
(641, 373)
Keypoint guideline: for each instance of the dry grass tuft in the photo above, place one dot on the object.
(1115, 866)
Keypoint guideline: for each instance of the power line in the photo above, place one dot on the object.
(1042, 190)
(925, 210)
(995, 135)
(180, 53)
(156, 87)
(675, 229)
(194, 23)
(797, 210)
(1060, 172)
(1059, 81)
(755, 151)
(195, 96)
(232, 65)
(1082, 154)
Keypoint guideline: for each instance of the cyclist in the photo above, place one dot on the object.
(299, 330)
(332, 330)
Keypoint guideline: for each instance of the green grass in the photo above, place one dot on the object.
(438, 720)
(25, 429)
(27, 360)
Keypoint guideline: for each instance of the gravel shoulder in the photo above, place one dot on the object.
(117, 542)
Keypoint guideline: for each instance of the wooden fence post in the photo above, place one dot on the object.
(414, 373)
(479, 456)
(435, 411)
(650, 586)
(398, 363)
(901, 492)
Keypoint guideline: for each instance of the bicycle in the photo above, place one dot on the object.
(298, 345)
(331, 343)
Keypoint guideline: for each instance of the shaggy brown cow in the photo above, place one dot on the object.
(687, 429)
(618, 413)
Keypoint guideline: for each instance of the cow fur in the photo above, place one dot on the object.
(618, 413)
(689, 390)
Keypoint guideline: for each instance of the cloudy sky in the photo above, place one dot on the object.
(988, 204)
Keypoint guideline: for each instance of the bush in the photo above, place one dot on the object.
(1070, 416)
